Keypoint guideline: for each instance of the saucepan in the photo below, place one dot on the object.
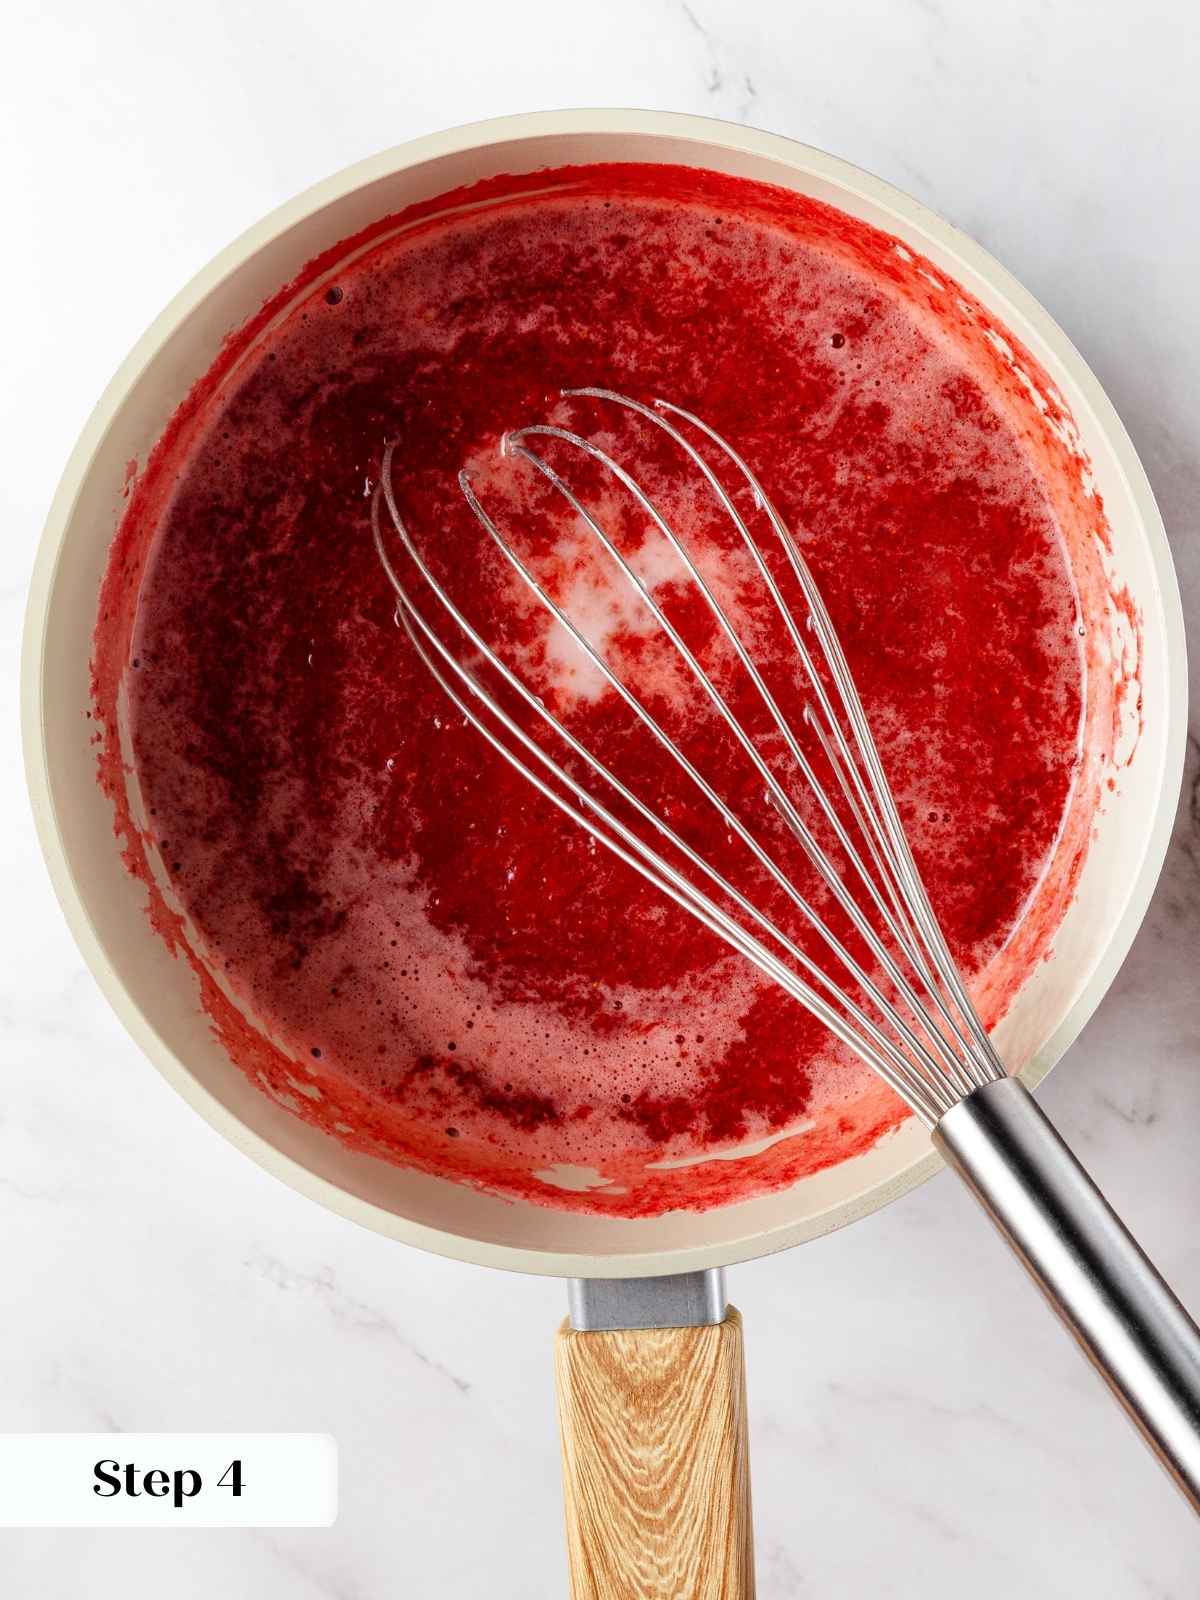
(652, 1405)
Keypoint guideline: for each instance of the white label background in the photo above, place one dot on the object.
(289, 1480)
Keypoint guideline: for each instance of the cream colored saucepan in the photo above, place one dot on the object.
(652, 1410)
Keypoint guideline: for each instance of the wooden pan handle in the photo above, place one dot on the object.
(656, 1466)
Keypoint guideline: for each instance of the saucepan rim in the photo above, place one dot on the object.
(457, 142)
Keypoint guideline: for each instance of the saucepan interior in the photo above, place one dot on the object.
(156, 994)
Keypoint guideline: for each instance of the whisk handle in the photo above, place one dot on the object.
(1091, 1270)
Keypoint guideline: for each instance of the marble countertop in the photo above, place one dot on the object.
(919, 1424)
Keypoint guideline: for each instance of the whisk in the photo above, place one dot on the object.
(883, 979)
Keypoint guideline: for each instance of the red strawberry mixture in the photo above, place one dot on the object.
(398, 937)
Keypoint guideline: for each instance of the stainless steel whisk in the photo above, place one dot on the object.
(909, 1015)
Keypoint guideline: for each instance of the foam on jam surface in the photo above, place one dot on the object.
(396, 936)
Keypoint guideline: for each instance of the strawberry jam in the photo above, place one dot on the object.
(395, 935)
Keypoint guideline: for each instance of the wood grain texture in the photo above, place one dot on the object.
(656, 1467)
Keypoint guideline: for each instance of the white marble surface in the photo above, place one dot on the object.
(919, 1425)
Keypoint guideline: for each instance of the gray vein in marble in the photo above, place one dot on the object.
(326, 1587)
(58, 1377)
(51, 1195)
(1175, 909)
(1191, 838)
(933, 13)
(777, 1572)
(1138, 1114)
(345, 1310)
(720, 75)
(876, 1399)
(930, 1517)
(693, 19)
(1154, 1590)
(71, 1012)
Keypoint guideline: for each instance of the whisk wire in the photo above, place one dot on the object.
(931, 1059)
(730, 817)
(891, 1065)
(886, 833)
(779, 799)
(888, 1062)
(952, 1063)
